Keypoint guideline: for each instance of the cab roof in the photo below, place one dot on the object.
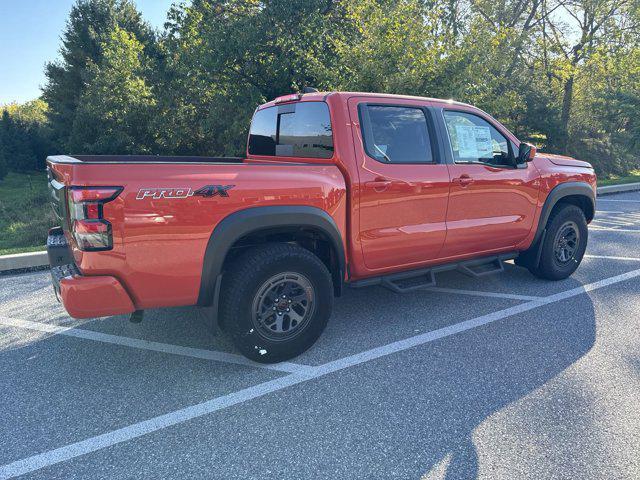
(321, 96)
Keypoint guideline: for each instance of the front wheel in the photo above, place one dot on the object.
(564, 244)
(276, 301)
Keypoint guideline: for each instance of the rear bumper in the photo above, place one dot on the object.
(83, 296)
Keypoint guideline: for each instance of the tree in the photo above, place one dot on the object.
(604, 120)
(3, 165)
(5, 135)
(394, 46)
(115, 109)
(16, 144)
(226, 57)
(90, 24)
(31, 118)
(4, 169)
(593, 23)
(26, 138)
(560, 73)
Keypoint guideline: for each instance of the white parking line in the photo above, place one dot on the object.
(595, 228)
(610, 257)
(478, 293)
(51, 457)
(616, 200)
(613, 221)
(153, 346)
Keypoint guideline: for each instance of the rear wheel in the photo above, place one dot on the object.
(564, 244)
(275, 302)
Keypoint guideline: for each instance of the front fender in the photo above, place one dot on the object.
(564, 190)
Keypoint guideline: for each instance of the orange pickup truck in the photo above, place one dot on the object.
(336, 188)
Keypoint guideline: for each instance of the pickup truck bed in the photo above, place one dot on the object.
(159, 240)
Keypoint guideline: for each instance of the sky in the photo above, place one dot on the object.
(30, 37)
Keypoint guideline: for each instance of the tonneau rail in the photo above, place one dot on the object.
(128, 159)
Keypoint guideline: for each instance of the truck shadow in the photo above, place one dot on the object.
(451, 386)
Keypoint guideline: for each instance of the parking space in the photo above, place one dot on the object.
(502, 376)
(64, 391)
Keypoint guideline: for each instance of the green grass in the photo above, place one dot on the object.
(25, 212)
(634, 176)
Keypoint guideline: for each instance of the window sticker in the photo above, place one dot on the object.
(474, 141)
(483, 142)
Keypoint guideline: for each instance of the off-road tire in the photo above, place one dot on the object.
(241, 290)
(563, 217)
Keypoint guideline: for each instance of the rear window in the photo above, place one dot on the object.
(292, 130)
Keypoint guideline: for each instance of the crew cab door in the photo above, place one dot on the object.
(403, 183)
(492, 202)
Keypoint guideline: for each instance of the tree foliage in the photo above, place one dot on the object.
(116, 105)
(90, 25)
(25, 137)
(226, 57)
(561, 73)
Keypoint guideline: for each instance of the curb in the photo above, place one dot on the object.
(627, 187)
(23, 261)
(38, 260)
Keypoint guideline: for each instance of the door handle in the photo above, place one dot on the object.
(464, 180)
(379, 184)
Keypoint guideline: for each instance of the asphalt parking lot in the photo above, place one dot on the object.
(504, 376)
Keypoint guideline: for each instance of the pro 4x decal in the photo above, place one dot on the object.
(206, 191)
(213, 190)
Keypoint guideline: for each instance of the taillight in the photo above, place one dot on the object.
(88, 226)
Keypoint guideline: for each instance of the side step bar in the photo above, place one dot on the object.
(481, 267)
(424, 278)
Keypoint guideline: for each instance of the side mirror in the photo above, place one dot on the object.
(526, 152)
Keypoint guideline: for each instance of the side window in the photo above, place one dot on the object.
(262, 137)
(474, 140)
(396, 134)
(292, 130)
